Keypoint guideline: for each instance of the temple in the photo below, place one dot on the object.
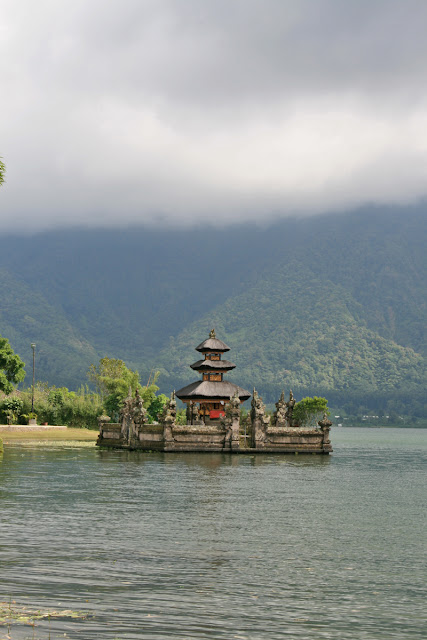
(212, 392)
(214, 421)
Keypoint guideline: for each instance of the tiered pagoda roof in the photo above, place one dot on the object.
(212, 344)
(206, 390)
(212, 365)
(212, 387)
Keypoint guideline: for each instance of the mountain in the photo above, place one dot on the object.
(330, 305)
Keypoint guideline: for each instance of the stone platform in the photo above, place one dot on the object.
(266, 435)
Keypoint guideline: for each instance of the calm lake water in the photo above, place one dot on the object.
(217, 546)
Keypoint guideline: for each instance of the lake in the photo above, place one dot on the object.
(161, 546)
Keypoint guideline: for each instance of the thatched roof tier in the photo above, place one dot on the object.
(212, 365)
(212, 344)
(205, 390)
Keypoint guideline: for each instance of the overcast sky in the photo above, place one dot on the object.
(183, 111)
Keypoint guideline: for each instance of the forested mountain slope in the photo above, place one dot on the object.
(26, 316)
(313, 340)
(331, 304)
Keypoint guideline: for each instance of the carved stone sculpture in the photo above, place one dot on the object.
(280, 415)
(132, 417)
(168, 418)
(325, 425)
(126, 417)
(257, 407)
(260, 421)
(139, 412)
(233, 406)
(195, 416)
(227, 423)
(172, 405)
(290, 404)
(231, 423)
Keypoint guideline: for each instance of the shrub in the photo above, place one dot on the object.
(58, 406)
(181, 417)
(11, 408)
(308, 411)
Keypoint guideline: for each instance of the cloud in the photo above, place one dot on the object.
(170, 112)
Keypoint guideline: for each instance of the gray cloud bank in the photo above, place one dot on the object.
(185, 111)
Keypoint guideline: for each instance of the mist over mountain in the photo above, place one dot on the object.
(125, 112)
(332, 305)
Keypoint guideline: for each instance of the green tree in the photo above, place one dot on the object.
(2, 172)
(156, 407)
(308, 411)
(56, 399)
(113, 380)
(181, 416)
(12, 368)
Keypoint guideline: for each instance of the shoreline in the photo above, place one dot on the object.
(50, 433)
(27, 427)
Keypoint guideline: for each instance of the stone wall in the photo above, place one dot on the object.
(281, 434)
(280, 437)
(109, 431)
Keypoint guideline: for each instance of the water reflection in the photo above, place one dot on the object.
(212, 461)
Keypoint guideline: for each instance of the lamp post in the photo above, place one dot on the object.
(33, 347)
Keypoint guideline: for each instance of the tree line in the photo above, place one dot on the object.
(113, 381)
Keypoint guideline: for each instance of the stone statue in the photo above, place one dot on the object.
(231, 423)
(169, 418)
(227, 423)
(290, 404)
(172, 405)
(234, 406)
(260, 421)
(325, 425)
(169, 410)
(257, 407)
(212, 334)
(126, 417)
(139, 412)
(195, 416)
(280, 415)
(132, 416)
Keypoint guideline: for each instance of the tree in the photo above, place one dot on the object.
(2, 172)
(113, 380)
(156, 406)
(308, 411)
(12, 369)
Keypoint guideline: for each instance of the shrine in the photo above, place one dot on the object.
(214, 421)
(212, 392)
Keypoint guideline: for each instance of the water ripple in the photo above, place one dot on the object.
(215, 546)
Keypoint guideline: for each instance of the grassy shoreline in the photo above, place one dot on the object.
(48, 435)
